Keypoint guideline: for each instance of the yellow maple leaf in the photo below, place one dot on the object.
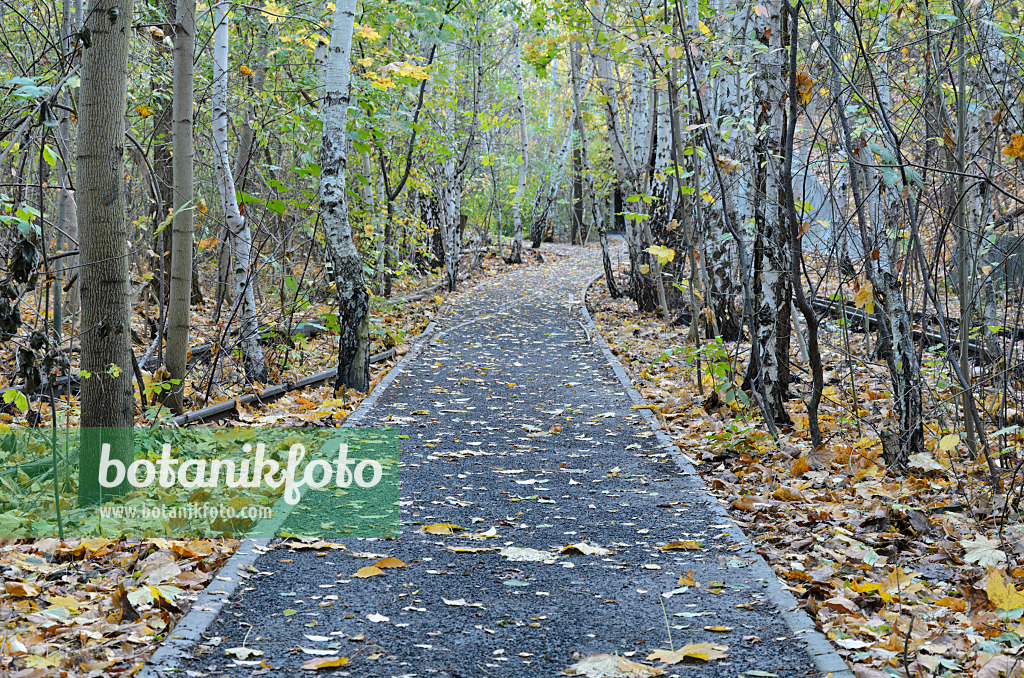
(143, 110)
(245, 70)
(1002, 593)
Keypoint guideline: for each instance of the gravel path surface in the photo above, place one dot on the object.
(520, 433)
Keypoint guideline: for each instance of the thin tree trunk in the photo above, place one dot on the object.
(772, 282)
(181, 256)
(237, 227)
(353, 299)
(516, 256)
(107, 403)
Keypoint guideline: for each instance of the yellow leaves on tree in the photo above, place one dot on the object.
(245, 70)
(144, 111)
(367, 33)
(664, 254)
(274, 11)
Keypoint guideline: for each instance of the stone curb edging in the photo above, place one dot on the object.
(187, 633)
(826, 659)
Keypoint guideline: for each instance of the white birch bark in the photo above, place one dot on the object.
(516, 256)
(772, 283)
(353, 299)
(237, 227)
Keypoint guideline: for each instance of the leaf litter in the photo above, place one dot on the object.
(885, 564)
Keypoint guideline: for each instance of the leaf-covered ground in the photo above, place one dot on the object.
(906, 574)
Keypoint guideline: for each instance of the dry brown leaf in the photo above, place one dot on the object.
(21, 589)
(688, 544)
(1001, 666)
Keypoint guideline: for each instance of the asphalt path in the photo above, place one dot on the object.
(519, 433)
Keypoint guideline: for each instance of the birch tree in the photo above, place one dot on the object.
(719, 246)
(353, 298)
(516, 256)
(237, 226)
(773, 288)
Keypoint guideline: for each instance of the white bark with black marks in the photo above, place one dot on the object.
(237, 228)
(353, 299)
(516, 256)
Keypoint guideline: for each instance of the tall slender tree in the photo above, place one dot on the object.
(516, 256)
(237, 226)
(353, 298)
(181, 255)
(108, 406)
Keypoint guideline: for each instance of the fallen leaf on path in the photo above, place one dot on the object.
(703, 651)
(325, 663)
(387, 563)
(377, 618)
(586, 549)
(244, 652)
(688, 544)
(687, 579)
(368, 571)
(462, 602)
(610, 666)
(521, 554)
(441, 528)
(318, 652)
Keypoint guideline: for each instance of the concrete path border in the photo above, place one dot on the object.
(825, 657)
